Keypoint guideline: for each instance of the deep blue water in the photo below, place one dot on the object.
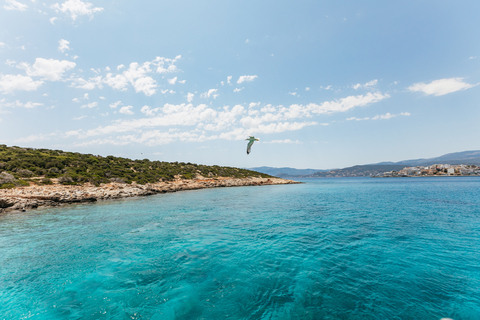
(360, 248)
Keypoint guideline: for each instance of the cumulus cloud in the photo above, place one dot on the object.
(386, 116)
(90, 84)
(210, 93)
(19, 104)
(242, 79)
(15, 5)
(75, 8)
(190, 97)
(369, 84)
(346, 104)
(90, 105)
(126, 110)
(188, 122)
(441, 87)
(63, 45)
(149, 111)
(238, 89)
(115, 104)
(166, 65)
(137, 75)
(48, 69)
(10, 83)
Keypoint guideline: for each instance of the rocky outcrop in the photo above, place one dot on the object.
(34, 196)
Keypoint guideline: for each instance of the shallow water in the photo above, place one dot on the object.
(337, 248)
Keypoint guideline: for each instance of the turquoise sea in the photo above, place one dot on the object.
(340, 248)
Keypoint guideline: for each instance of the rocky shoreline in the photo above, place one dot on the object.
(34, 196)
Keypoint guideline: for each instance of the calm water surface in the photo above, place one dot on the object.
(327, 249)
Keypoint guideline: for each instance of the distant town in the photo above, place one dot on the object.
(433, 171)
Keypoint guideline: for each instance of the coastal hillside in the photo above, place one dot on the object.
(456, 158)
(21, 166)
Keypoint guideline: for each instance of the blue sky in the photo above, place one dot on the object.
(323, 84)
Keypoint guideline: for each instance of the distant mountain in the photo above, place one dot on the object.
(464, 157)
(285, 171)
(357, 171)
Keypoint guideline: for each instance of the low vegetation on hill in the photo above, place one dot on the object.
(19, 166)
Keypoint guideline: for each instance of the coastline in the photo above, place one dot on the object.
(35, 196)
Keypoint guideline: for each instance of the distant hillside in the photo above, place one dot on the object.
(464, 157)
(285, 171)
(357, 171)
(19, 166)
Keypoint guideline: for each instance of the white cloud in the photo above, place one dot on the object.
(90, 84)
(52, 20)
(238, 89)
(115, 104)
(63, 45)
(2, 44)
(292, 93)
(166, 65)
(246, 79)
(149, 111)
(126, 110)
(369, 84)
(31, 105)
(357, 119)
(346, 104)
(90, 105)
(49, 69)
(118, 81)
(307, 89)
(137, 76)
(15, 5)
(386, 116)
(229, 78)
(10, 83)
(441, 87)
(187, 122)
(210, 93)
(19, 104)
(75, 8)
(173, 80)
(182, 81)
(190, 97)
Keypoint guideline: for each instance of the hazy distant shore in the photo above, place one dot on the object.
(35, 196)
